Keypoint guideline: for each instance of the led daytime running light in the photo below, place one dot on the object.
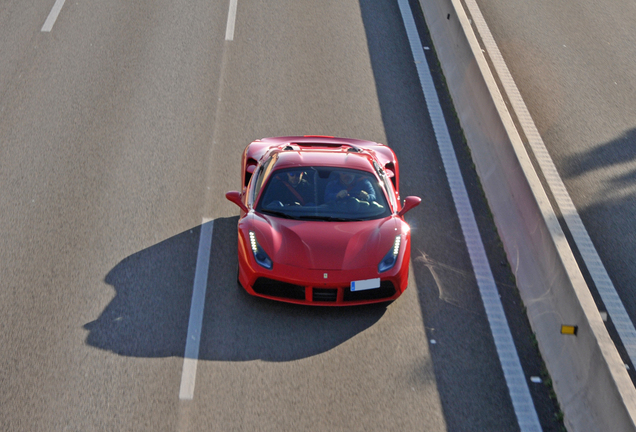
(253, 242)
(396, 245)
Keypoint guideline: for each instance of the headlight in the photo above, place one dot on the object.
(390, 258)
(259, 254)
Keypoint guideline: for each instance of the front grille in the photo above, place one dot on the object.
(325, 295)
(386, 290)
(274, 288)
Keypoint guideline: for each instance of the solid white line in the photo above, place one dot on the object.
(50, 20)
(604, 285)
(513, 373)
(231, 19)
(191, 355)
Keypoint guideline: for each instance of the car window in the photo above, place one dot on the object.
(261, 174)
(386, 183)
(388, 187)
(324, 193)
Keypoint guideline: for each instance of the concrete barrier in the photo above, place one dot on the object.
(589, 377)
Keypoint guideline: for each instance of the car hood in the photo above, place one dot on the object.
(326, 245)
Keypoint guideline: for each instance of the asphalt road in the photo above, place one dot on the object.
(575, 66)
(121, 129)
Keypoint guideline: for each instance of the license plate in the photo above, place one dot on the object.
(362, 285)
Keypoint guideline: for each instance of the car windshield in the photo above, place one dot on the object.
(324, 193)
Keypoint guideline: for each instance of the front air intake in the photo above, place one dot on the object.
(274, 288)
(325, 295)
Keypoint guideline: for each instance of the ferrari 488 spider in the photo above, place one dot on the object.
(321, 221)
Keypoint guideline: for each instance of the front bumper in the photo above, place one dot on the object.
(320, 287)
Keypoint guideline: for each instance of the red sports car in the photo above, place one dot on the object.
(321, 221)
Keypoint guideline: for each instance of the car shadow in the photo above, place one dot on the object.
(148, 317)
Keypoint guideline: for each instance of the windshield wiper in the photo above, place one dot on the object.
(278, 213)
(329, 218)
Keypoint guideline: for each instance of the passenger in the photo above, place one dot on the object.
(349, 185)
(290, 188)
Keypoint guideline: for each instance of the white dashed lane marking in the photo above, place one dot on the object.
(191, 355)
(231, 20)
(50, 20)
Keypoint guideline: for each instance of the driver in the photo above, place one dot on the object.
(290, 188)
(349, 185)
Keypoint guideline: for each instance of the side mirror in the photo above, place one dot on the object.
(409, 203)
(235, 197)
